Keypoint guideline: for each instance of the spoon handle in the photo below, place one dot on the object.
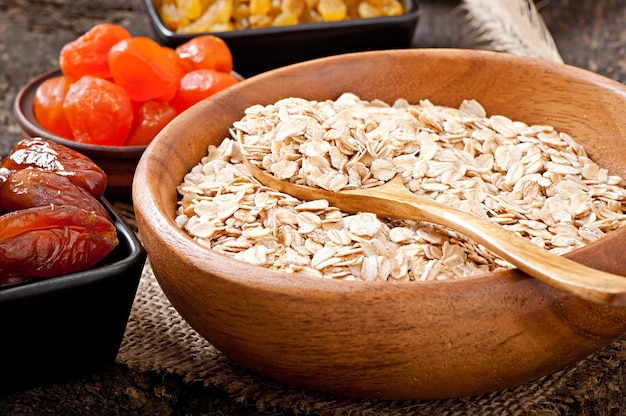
(394, 200)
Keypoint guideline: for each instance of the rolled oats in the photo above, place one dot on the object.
(531, 179)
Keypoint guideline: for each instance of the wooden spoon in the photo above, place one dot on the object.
(394, 200)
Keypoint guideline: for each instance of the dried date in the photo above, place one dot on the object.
(54, 157)
(42, 242)
(28, 188)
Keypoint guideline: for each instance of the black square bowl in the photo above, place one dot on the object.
(61, 327)
(259, 50)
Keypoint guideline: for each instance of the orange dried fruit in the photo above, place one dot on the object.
(48, 105)
(88, 54)
(99, 111)
(206, 52)
(144, 69)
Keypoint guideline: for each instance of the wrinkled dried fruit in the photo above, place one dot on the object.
(54, 157)
(206, 52)
(49, 241)
(144, 69)
(48, 105)
(29, 187)
(197, 85)
(88, 54)
(99, 111)
(148, 121)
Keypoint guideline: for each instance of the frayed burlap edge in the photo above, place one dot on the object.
(158, 339)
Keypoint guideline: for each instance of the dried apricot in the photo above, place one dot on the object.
(48, 105)
(144, 69)
(149, 119)
(200, 84)
(99, 111)
(206, 52)
(88, 54)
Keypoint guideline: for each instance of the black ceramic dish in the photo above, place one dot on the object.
(69, 325)
(258, 50)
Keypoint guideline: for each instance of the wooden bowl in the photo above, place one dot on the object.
(412, 340)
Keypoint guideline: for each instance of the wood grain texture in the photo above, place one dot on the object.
(386, 340)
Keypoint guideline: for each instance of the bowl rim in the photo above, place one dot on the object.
(163, 30)
(272, 280)
(24, 113)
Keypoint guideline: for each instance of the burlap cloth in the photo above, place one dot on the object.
(158, 339)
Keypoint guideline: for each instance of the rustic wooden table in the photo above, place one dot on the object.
(589, 33)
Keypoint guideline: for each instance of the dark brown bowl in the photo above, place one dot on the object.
(258, 50)
(403, 340)
(118, 162)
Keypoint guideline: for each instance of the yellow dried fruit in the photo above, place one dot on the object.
(367, 10)
(172, 17)
(241, 11)
(218, 12)
(260, 20)
(198, 16)
(391, 8)
(260, 6)
(292, 8)
(191, 9)
(332, 10)
(285, 19)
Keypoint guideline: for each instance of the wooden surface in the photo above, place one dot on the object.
(589, 33)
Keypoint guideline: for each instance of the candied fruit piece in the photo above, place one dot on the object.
(206, 52)
(144, 69)
(88, 54)
(99, 111)
(332, 10)
(148, 121)
(48, 105)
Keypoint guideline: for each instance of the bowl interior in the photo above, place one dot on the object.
(585, 105)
